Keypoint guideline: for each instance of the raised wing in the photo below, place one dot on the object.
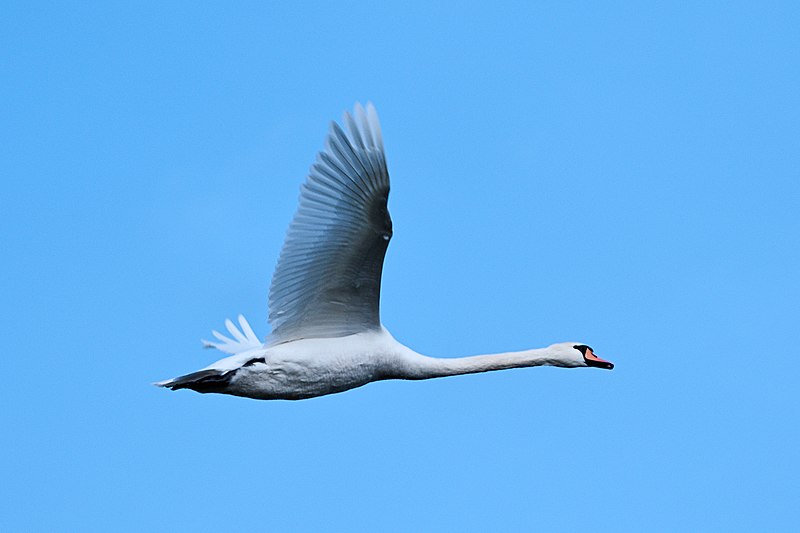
(328, 279)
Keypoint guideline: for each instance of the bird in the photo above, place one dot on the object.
(324, 299)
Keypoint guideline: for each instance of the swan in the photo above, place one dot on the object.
(327, 335)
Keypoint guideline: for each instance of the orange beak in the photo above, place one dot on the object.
(592, 360)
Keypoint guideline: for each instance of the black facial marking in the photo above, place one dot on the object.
(251, 362)
(582, 348)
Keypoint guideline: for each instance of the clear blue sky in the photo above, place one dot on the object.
(624, 176)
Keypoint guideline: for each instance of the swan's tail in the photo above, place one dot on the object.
(211, 380)
(217, 379)
(241, 342)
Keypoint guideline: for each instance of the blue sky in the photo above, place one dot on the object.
(624, 176)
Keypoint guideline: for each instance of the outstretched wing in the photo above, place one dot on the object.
(328, 279)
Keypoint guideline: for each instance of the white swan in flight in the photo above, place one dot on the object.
(327, 335)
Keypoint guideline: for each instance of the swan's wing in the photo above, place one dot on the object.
(240, 340)
(328, 279)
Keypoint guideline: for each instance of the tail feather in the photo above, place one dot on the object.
(218, 379)
(202, 381)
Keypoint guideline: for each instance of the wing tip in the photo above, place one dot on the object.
(243, 340)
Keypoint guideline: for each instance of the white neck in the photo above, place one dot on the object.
(416, 366)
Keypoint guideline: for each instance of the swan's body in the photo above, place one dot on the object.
(324, 299)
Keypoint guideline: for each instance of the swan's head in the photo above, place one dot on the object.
(577, 354)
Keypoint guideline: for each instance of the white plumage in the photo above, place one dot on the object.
(328, 279)
(324, 298)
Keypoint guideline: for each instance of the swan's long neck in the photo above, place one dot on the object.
(416, 366)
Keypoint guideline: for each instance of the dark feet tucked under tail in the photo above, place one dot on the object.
(202, 381)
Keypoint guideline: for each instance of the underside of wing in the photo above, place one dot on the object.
(328, 279)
